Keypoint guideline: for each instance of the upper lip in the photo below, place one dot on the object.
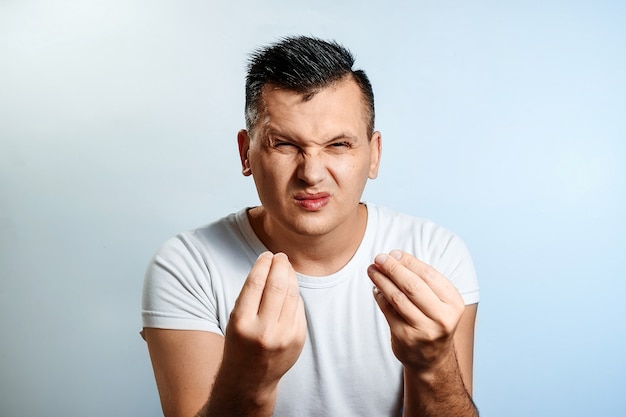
(310, 196)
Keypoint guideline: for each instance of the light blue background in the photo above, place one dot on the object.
(504, 121)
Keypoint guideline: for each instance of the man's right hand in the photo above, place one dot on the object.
(267, 326)
(239, 372)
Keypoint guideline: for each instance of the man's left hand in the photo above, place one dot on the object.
(422, 307)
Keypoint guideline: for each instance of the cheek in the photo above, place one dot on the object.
(350, 170)
(272, 173)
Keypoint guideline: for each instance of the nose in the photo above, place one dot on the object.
(312, 169)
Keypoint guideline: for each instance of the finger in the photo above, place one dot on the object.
(408, 309)
(276, 288)
(391, 315)
(252, 291)
(439, 284)
(409, 284)
(292, 303)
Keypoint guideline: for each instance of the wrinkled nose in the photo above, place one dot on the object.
(312, 169)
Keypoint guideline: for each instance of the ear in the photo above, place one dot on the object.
(243, 141)
(375, 153)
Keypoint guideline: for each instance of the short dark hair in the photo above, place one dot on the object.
(304, 65)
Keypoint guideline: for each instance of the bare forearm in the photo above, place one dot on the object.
(236, 397)
(437, 393)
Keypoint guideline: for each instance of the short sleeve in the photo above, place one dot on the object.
(455, 262)
(177, 291)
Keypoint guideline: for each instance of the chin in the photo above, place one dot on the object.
(312, 227)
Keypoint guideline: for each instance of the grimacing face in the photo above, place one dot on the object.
(310, 159)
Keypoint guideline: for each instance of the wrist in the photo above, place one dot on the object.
(243, 391)
(430, 373)
(437, 390)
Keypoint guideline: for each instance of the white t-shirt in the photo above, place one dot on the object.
(347, 367)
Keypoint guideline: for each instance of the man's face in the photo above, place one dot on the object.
(310, 159)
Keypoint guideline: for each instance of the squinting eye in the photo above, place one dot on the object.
(341, 145)
(285, 147)
(279, 144)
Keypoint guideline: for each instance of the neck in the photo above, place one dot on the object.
(312, 255)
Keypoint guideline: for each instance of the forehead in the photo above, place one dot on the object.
(339, 106)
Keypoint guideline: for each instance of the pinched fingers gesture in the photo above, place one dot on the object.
(267, 326)
(422, 307)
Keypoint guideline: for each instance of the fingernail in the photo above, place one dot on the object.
(396, 254)
(281, 255)
(266, 254)
(380, 258)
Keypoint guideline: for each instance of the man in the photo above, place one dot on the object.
(270, 311)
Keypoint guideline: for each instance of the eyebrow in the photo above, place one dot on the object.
(271, 131)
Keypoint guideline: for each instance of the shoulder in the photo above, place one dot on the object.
(197, 254)
(399, 225)
(422, 237)
(388, 215)
(429, 242)
(206, 238)
(195, 275)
